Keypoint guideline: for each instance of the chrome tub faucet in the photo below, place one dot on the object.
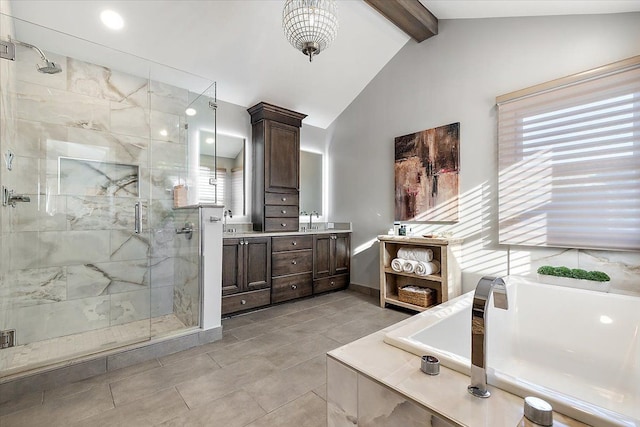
(486, 287)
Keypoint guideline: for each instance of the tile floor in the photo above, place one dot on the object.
(269, 369)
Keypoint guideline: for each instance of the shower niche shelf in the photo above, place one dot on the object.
(446, 283)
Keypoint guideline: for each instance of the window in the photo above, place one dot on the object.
(210, 193)
(569, 161)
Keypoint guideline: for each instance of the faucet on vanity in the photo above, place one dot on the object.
(311, 214)
(226, 213)
(486, 287)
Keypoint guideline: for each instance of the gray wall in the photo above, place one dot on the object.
(453, 77)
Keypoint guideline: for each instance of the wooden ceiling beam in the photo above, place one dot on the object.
(409, 15)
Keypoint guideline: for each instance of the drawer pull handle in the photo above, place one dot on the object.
(332, 283)
(294, 243)
(284, 199)
(294, 287)
(243, 302)
(283, 211)
(294, 262)
(283, 224)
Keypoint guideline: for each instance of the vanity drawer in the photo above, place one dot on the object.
(330, 283)
(245, 301)
(281, 224)
(281, 199)
(291, 287)
(291, 243)
(281, 211)
(292, 262)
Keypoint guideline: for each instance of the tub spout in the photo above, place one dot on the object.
(486, 286)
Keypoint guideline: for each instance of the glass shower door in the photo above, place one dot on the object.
(75, 276)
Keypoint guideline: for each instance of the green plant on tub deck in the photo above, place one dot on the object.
(576, 273)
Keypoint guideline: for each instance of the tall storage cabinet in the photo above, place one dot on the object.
(276, 167)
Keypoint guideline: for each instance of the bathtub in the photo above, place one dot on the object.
(577, 349)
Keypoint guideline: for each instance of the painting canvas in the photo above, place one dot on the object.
(426, 174)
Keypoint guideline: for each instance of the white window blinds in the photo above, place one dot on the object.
(569, 164)
(209, 193)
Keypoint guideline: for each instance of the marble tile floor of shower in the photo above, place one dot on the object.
(269, 369)
(54, 350)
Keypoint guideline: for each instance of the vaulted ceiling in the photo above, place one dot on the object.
(240, 43)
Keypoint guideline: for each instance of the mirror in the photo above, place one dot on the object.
(227, 171)
(311, 180)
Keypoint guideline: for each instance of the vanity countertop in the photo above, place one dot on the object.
(444, 394)
(338, 228)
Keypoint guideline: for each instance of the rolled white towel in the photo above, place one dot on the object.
(421, 268)
(427, 268)
(409, 266)
(415, 254)
(397, 264)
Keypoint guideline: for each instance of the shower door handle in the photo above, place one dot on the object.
(137, 227)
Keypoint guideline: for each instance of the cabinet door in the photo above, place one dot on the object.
(282, 157)
(322, 255)
(232, 266)
(341, 253)
(257, 263)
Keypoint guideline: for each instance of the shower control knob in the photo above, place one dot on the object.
(538, 411)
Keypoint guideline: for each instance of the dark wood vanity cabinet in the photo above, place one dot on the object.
(331, 261)
(276, 167)
(258, 271)
(246, 273)
(292, 265)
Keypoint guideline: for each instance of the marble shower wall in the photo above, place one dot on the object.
(7, 123)
(89, 142)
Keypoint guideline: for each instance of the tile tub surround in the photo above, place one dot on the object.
(74, 262)
(392, 382)
(268, 370)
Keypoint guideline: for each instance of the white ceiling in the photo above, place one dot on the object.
(240, 43)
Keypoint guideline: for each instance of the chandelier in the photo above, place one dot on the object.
(310, 25)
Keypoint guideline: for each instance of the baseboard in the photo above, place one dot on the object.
(364, 290)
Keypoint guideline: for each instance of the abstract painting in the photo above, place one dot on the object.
(427, 167)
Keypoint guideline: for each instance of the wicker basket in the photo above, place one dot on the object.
(424, 298)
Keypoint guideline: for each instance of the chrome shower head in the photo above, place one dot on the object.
(49, 67)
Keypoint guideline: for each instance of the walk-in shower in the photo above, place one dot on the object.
(91, 261)
(8, 51)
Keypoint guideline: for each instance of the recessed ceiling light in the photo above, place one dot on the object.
(112, 19)
(164, 132)
(606, 320)
(209, 140)
(190, 111)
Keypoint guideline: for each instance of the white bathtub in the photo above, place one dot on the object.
(579, 350)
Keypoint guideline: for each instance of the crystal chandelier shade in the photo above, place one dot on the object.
(310, 25)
